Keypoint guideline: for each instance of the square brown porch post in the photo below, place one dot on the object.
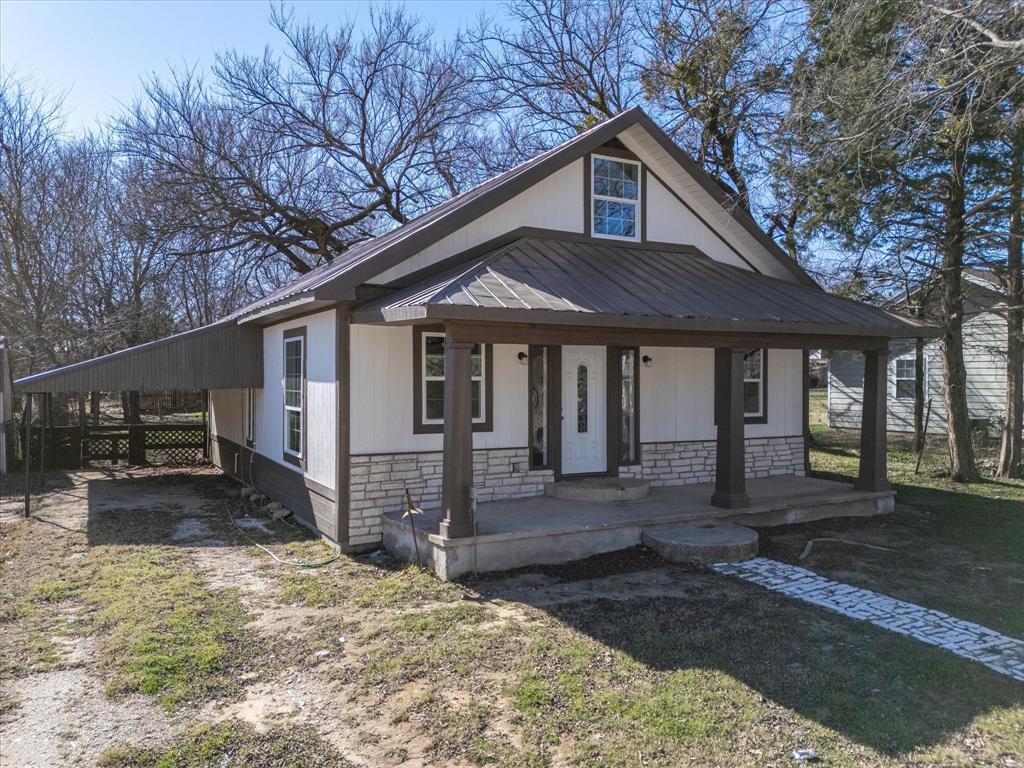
(730, 464)
(873, 426)
(458, 440)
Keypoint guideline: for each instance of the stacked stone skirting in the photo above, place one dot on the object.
(378, 483)
(683, 463)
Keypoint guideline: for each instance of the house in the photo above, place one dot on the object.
(596, 341)
(985, 348)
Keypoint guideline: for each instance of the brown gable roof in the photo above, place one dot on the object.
(363, 262)
(535, 278)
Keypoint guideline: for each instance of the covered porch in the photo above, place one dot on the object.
(558, 295)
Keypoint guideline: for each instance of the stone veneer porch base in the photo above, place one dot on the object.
(378, 481)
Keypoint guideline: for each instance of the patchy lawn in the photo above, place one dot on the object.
(140, 628)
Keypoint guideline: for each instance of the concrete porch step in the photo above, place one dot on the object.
(599, 489)
(703, 544)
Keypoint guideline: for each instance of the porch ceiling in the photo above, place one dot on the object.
(654, 286)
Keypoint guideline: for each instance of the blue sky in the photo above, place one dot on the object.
(96, 52)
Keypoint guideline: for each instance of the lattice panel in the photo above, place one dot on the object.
(99, 449)
(178, 438)
(175, 456)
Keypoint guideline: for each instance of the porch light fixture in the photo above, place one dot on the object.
(647, 360)
(523, 358)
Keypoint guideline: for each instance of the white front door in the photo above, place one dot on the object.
(584, 410)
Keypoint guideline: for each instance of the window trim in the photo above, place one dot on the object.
(617, 382)
(539, 352)
(421, 426)
(297, 459)
(762, 416)
(592, 197)
(896, 378)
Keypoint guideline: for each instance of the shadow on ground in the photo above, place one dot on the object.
(880, 690)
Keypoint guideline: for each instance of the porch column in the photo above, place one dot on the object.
(873, 426)
(458, 440)
(730, 470)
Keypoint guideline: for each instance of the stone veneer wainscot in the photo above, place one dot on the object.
(378, 483)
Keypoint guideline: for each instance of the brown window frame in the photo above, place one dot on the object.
(762, 417)
(636, 405)
(290, 335)
(419, 427)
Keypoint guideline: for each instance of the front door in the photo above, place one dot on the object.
(584, 410)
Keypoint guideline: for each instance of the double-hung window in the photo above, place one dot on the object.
(615, 198)
(294, 392)
(753, 383)
(430, 374)
(906, 376)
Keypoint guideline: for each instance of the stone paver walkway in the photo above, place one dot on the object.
(971, 641)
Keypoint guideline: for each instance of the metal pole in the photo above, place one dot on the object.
(27, 457)
(42, 442)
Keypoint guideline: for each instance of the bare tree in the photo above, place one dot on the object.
(564, 65)
(294, 159)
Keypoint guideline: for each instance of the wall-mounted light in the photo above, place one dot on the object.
(647, 360)
(523, 358)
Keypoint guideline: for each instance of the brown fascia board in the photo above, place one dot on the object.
(452, 312)
(714, 189)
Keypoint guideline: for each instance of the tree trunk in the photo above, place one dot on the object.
(131, 407)
(1013, 424)
(961, 451)
(919, 397)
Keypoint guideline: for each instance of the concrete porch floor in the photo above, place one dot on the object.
(545, 530)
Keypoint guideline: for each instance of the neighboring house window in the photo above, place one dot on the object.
(294, 392)
(250, 416)
(906, 374)
(753, 383)
(430, 373)
(615, 198)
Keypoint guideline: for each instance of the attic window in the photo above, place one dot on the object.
(615, 198)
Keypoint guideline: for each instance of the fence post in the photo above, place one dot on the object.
(137, 444)
(27, 453)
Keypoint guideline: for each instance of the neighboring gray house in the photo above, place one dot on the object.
(597, 341)
(984, 357)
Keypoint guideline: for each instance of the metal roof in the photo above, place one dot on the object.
(591, 278)
(217, 356)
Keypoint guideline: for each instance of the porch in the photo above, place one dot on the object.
(547, 530)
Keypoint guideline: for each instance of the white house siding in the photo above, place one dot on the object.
(388, 457)
(320, 416)
(677, 421)
(668, 221)
(227, 414)
(554, 203)
(984, 358)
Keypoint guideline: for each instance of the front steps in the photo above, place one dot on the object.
(703, 544)
(599, 489)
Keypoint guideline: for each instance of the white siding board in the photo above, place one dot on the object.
(555, 203)
(668, 221)
(382, 395)
(677, 395)
(227, 414)
(321, 417)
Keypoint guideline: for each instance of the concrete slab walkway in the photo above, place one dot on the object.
(964, 638)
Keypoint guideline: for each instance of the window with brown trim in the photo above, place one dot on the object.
(293, 383)
(428, 383)
(755, 366)
(615, 198)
